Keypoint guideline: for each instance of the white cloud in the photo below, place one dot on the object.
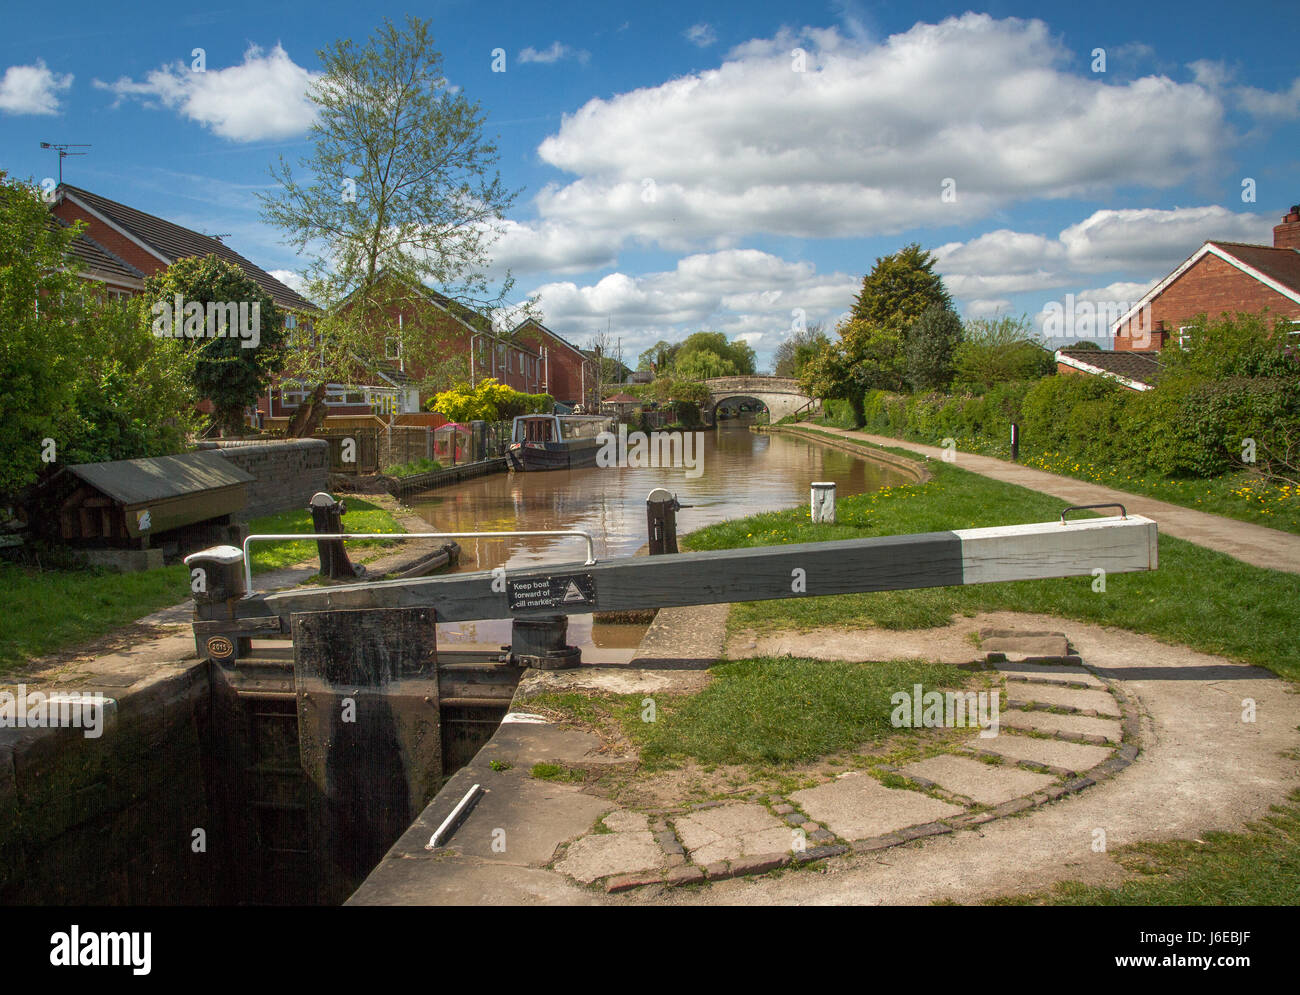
(701, 34)
(555, 53)
(290, 279)
(32, 89)
(1147, 242)
(547, 247)
(263, 97)
(860, 143)
(1265, 103)
(744, 293)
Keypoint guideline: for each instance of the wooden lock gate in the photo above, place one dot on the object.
(364, 690)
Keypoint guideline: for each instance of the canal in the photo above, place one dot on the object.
(743, 472)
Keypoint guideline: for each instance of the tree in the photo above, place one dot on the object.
(999, 350)
(81, 379)
(227, 370)
(659, 357)
(931, 349)
(793, 353)
(899, 289)
(403, 194)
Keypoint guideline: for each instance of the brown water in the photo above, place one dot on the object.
(743, 472)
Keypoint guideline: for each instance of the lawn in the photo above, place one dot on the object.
(44, 611)
(1260, 866)
(1241, 495)
(1197, 597)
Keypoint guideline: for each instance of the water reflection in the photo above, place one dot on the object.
(744, 472)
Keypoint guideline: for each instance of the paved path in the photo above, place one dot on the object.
(1254, 544)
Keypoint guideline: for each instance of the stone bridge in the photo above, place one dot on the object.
(781, 395)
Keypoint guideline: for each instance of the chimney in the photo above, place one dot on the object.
(1287, 234)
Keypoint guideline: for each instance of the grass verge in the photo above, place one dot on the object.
(762, 711)
(1260, 866)
(44, 611)
(1197, 597)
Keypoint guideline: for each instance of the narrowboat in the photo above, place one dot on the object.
(556, 442)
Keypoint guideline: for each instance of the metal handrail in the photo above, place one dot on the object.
(313, 536)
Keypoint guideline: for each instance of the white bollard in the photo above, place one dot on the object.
(823, 501)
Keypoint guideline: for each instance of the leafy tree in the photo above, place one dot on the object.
(793, 353)
(703, 364)
(85, 373)
(226, 372)
(402, 184)
(999, 350)
(737, 358)
(112, 418)
(899, 289)
(659, 357)
(931, 349)
(41, 300)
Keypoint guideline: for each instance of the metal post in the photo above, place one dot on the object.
(327, 519)
(823, 501)
(1015, 442)
(661, 521)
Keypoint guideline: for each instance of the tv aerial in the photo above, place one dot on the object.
(62, 149)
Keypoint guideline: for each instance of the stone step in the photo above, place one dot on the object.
(1048, 673)
(1064, 758)
(856, 807)
(1107, 730)
(1101, 702)
(987, 784)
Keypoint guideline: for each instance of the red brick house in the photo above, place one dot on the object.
(460, 333)
(568, 373)
(1217, 277)
(121, 246)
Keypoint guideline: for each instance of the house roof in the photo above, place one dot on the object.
(137, 481)
(1278, 269)
(1139, 370)
(97, 261)
(622, 399)
(171, 242)
(1282, 265)
(558, 338)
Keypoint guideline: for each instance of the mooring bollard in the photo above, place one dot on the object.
(217, 583)
(661, 510)
(327, 517)
(823, 501)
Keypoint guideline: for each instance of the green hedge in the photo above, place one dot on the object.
(1188, 427)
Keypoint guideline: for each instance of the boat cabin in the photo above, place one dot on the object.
(559, 428)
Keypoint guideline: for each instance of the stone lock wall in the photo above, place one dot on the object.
(287, 471)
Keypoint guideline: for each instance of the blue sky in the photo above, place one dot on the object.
(682, 168)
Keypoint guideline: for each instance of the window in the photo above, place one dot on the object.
(392, 347)
(1185, 336)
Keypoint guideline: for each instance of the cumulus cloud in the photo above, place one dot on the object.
(1147, 241)
(263, 97)
(744, 293)
(701, 34)
(554, 53)
(861, 142)
(32, 89)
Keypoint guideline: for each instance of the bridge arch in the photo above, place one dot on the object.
(781, 396)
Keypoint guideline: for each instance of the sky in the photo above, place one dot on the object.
(731, 167)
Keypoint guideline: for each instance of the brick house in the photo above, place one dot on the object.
(1217, 277)
(412, 311)
(121, 246)
(567, 373)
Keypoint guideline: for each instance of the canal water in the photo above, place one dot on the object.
(743, 472)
